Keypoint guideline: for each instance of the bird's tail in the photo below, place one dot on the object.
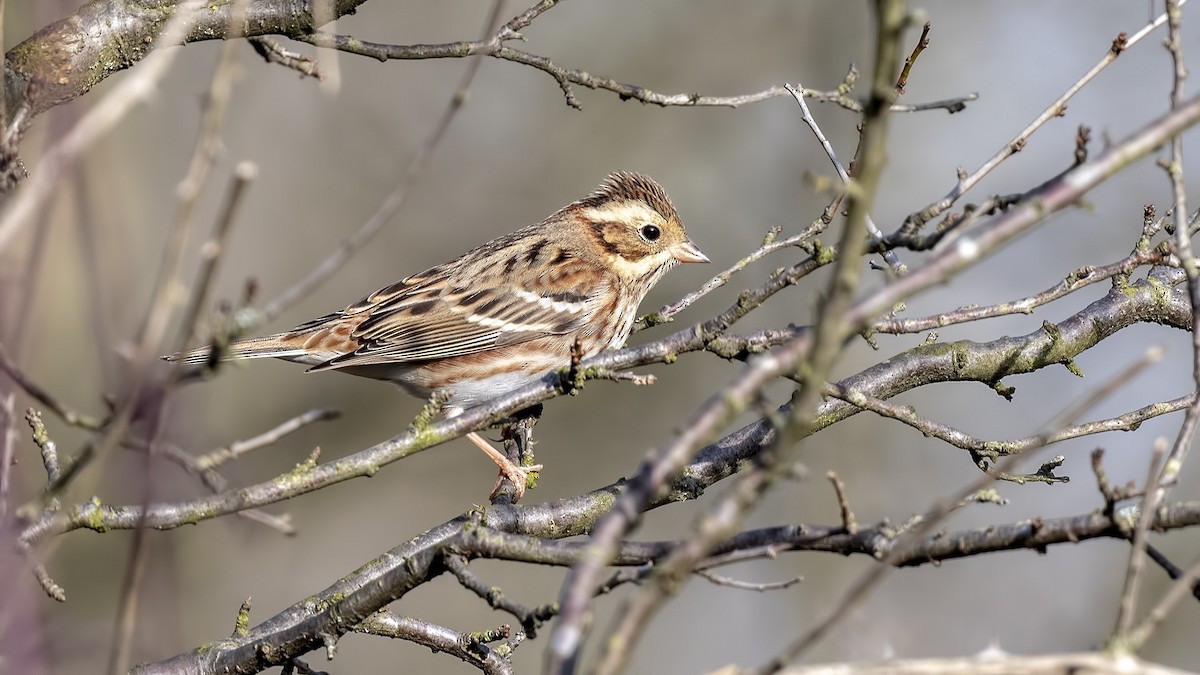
(277, 346)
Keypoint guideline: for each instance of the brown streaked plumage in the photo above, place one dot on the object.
(505, 313)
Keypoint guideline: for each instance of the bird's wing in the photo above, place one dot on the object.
(450, 311)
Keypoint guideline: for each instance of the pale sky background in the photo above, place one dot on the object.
(515, 154)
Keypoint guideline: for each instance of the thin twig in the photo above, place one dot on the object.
(42, 439)
(1188, 263)
(934, 516)
(97, 302)
(1160, 481)
(1182, 587)
(1127, 607)
(922, 45)
(1123, 42)
(471, 651)
(1173, 571)
(531, 618)
(770, 245)
(45, 581)
(325, 14)
(211, 251)
(1084, 276)
(839, 489)
(760, 587)
(273, 52)
(566, 77)
(994, 449)
(8, 444)
(236, 449)
(216, 483)
(35, 391)
(892, 259)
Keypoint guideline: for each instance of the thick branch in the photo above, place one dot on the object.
(354, 598)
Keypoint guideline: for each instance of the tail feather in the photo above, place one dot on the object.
(278, 346)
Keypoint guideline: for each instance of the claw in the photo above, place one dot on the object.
(519, 475)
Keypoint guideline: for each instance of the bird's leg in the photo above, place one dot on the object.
(517, 432)
(517, 474)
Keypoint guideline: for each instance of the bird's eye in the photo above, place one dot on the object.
(651, 233)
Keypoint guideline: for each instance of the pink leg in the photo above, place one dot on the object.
(519, 475)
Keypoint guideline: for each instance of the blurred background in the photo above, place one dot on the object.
(328, 154)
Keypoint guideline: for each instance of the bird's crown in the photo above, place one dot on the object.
(621, 186)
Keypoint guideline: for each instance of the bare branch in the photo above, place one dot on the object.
(1056, 109)
(523, 534)
(469, 650)
(992, 663)
(273, 52)
(236, 449)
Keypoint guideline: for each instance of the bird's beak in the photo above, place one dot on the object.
(687, 252)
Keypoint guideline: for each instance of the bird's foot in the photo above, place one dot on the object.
(519, 475)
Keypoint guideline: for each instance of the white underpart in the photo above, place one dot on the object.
(470, 393)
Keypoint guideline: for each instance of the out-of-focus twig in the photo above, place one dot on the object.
(211, 251)
(922, 45)
(1164, 474)
(35, 391)
(936, 514)
(1133, 570)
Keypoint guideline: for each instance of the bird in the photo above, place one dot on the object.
(501, 315)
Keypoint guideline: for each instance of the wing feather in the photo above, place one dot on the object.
(437, 315)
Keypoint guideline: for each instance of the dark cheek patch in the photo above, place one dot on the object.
(632, 248)
(604, 237)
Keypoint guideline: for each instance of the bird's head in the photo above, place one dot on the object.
(635, 227)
